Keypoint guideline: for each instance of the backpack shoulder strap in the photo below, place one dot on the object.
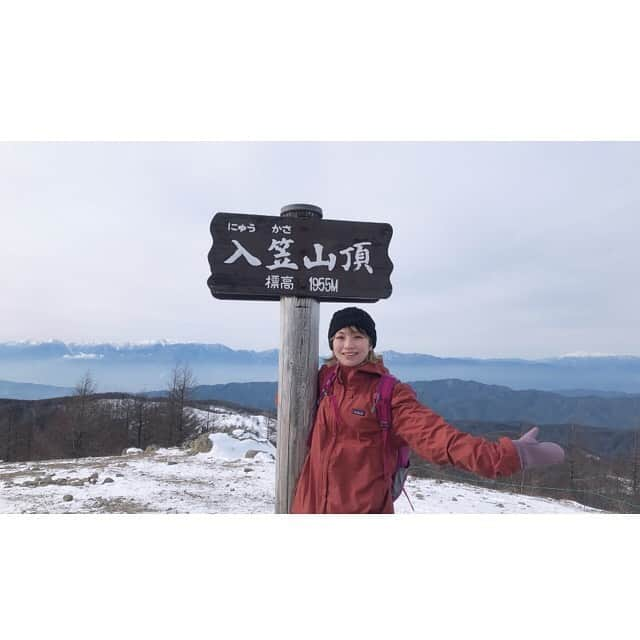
(382, 404)
(326, 378)
(383, 411)
(325, 382)
(382, 399)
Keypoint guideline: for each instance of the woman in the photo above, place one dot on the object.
(345, 470)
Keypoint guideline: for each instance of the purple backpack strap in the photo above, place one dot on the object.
(382, 402)
(325, 383)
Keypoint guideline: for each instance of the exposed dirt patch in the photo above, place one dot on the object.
(120, 505)
(178, 480)
(9, 476)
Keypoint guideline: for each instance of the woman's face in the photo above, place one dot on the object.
(351, 347)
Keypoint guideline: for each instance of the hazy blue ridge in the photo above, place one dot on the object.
(467, 400)
(28, 391)
(142, 367)
(158, 351)
(457, 400)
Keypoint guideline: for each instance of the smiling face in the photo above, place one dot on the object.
(351, 346)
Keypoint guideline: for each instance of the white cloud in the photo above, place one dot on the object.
(83, 356)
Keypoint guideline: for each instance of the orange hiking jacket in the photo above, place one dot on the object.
(344, 468)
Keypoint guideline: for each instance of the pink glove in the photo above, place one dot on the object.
(534, 454)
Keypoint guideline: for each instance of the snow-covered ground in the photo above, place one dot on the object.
(236, 476)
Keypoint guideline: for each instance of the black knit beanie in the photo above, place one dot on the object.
(353, 317)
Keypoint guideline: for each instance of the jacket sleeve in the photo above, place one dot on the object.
(435, 440)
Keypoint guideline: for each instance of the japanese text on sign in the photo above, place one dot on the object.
(264, 257)
(355, 256)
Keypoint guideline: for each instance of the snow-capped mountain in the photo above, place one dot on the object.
(146, 366)
(159, 350)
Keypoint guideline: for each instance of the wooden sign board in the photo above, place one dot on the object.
(266, 257)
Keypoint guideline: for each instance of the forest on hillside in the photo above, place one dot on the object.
(91, 424)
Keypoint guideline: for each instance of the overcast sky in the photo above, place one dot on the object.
(500, 249)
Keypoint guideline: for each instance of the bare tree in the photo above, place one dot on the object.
(86, 386)
(80, 413)
(212, 420)
(140, 419)
(634, 462)
(571, 459)
(180, 389)
(9, 454)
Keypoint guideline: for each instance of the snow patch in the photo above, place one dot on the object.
(226, 447)
(83, 356)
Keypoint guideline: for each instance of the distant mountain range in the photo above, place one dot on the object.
(457, 400)
(467, 400)
(460, 400)
(138, 367)
(27, 391)
(159, 351)
(131, 367)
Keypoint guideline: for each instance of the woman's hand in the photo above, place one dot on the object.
(535, 454)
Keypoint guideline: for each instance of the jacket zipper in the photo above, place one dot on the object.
(334, 440)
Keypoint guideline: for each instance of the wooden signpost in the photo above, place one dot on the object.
(299, 259)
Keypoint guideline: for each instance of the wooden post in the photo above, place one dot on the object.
(297, 375)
